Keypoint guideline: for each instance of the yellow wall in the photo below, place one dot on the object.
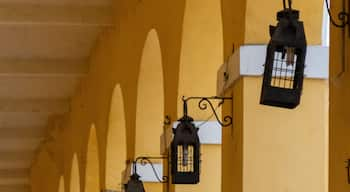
(194, 39)
(339, 105)
(273, 149)
(260, 14)
(286, 150)
(201, 56)
(116, 60)
(269, 149)
(232, 141)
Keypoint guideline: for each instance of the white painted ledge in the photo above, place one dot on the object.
(147, 174)
(210, 133)
(249, 61)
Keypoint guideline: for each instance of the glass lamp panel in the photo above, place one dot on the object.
(284, 67)
(185, 158)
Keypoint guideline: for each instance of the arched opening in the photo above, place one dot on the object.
(201, 57)
(116, 142)
(201, 52)
(61, 185)
(150, 103)
(150, 98)
(92, 175)
(75, 175)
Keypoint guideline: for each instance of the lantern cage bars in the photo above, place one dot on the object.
(285, 60)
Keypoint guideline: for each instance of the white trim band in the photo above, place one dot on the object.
(249, 61)
(210, 133)
(146, 172)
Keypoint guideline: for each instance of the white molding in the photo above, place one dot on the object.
(249, 61)
(147, 174)
(210, 133)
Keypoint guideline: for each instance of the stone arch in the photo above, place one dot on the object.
(61, 185)
(75, 175)
(150, 102)
(201, 52)
(201, 56)
(150, 98)
(116, 154)
(92, 174)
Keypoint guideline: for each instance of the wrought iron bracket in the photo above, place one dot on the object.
(203, 104)
(343, 16)
(148, 161)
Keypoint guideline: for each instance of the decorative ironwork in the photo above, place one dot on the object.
(205, 102)
(285, 61)
(148, 160)
(343, 16)
(348, 169)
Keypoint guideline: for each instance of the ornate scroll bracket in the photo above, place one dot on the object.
(343, 16)
(203, 104)
(148, 161)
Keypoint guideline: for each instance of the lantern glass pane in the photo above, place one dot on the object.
(185, 157)
(284, 67)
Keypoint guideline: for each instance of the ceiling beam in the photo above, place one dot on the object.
(42, 67)
(47, 106)
(21, 133)
(14, 188)
(14, 177)
(15, 164)
(66, 15)
(14, 173)
(14, 180)
(36, 87)
(21, 155)
(19, 144)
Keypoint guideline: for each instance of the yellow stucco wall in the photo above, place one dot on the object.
(194, 39)
(260, 14)
(116, 60)
(286, 150)
(232, 141)
(271, 149)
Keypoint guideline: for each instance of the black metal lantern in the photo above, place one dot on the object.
(185, 152)
(134, 184)
(285, 61)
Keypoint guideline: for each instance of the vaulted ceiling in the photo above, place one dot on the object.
(44, 48)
